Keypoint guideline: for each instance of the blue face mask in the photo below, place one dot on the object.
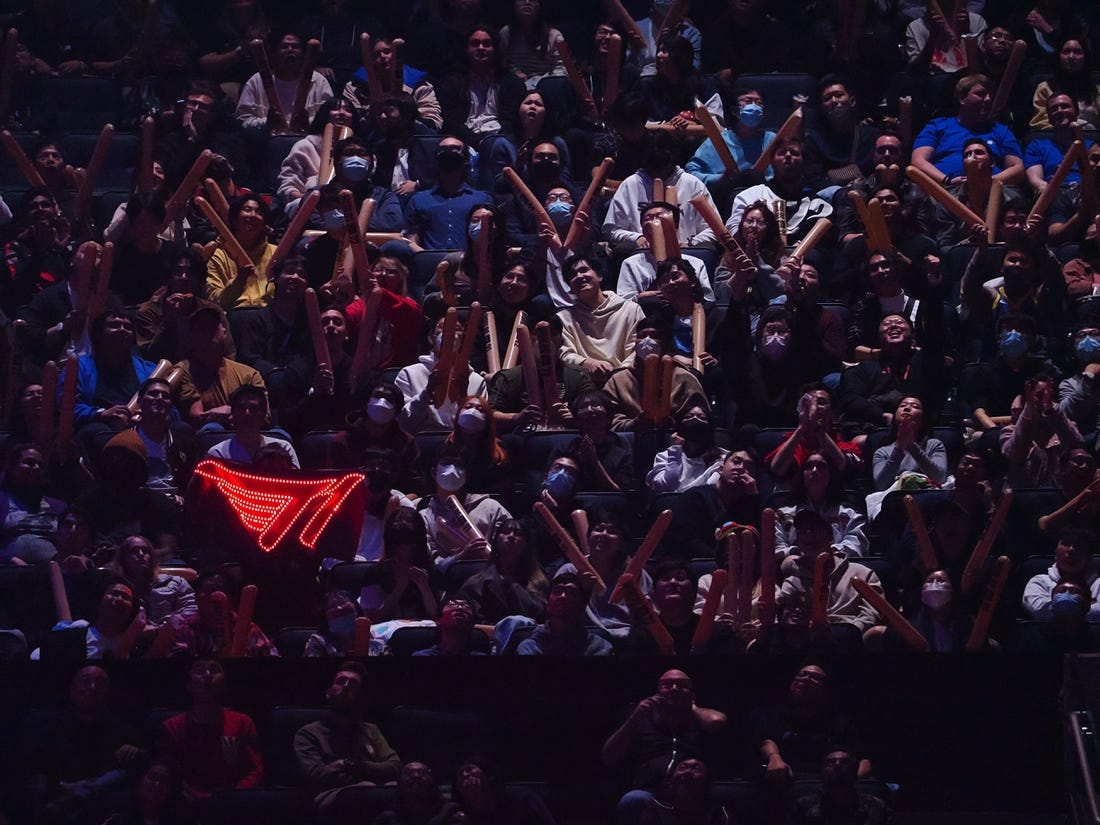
(560, 212)
(342, 624)
(474, 230)
(751, 114)
(560, 484)
(1088, 348)
(1067, 606)
(355, 168)
(333, 220)
(1013, 343)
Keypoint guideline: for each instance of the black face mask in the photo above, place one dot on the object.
(450, 161)
(696, 430)
(380, 482)
(545, 169)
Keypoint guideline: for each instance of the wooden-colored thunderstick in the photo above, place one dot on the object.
(878, 221)
(664, 397)
(993, 590)
(20, 159)
(712, 219)
(611, 70)
(905, 121)
(791, 127)
(705, 627)
(638, 562)
(95, 165)
(580, 88)
(530, 368)
(698, 337)
(305, 81)
(245, 610)
(50, 374)
(366, 55)
(733, 577)
(492, 342)
(1008, 78)
(361, 645)
(675, 16)
(657, 240)
(641, 608)
(446, 357)
(225, 627)
(935, 8)
(691, 131)
(146, 180)
(60, 597)
(568, 546)
(364, 346)
(1050, 192)
(295, 229)
(216, 196)
(366, 212)
(316, 331)
(524, 191)
(818, 231)
(232, 246)
(766, 605)
(459, 384)
(66, 411)
(985, 543)
(658, 189)
(580, 527)
(993, 211)
(779, 206)
(97, 297)
(747, 579)
(668, 229)
(190, 181)
(355, 240)
(979, 179)
(511, 355)
(598, 178)
(910, 634)
(944, 198)
(481, 250)
(1088, 181)
(548, 379)
(267, 80)
(925, 551)
(714, 135)
(616, 9)
(325, 169)
(822, 588)
(973, 54)
(161, 370)
(651, 386)
(397, 46)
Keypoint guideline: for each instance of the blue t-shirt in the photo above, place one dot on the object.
(439, 219)
(946, 136)
(1044, 152)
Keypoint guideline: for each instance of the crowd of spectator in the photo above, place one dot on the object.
(375, 330)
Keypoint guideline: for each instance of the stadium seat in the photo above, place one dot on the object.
(281, 766)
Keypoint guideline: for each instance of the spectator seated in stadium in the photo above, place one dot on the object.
(165, 599)
(1030, 443)
(216, 596)
(342, 750)
(303, 162)
(247, 413)
(564, 632)
(1072, 563)
(818, 487)
(374, 426)
(456, 629)
(746, 139)
(513, 584)
(335, 636)
(841, 149)
(256, 112)
(228, 283)
(912, 449)
(404, 584)
(692, 458)
(29, 516)
(839, 799)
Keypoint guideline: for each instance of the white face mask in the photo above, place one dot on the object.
(935, 594)
(471, 421)
(450, 478)
(775, 346)
(646, 346)
(380, 411)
